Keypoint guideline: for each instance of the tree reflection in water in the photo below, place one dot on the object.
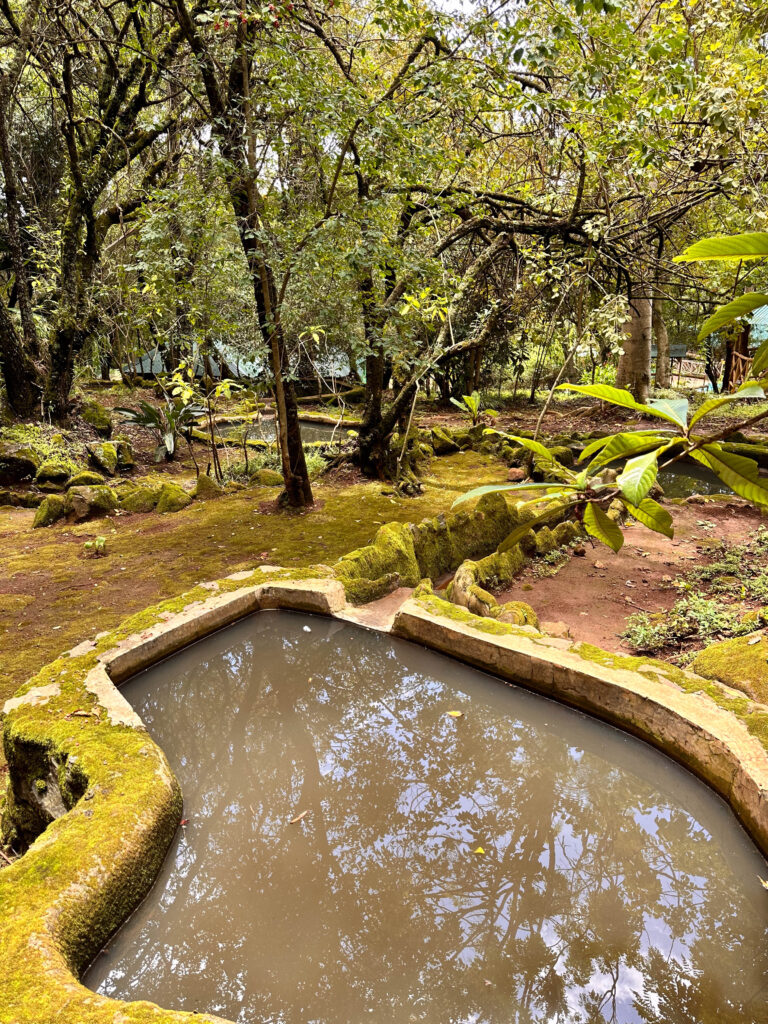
(614, 886)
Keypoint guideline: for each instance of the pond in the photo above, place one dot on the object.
(331, 868)
(310, 431)
(682, 479)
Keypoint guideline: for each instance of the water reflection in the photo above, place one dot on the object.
(614, 886)
(264, 430)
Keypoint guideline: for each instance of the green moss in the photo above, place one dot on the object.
(104, 457)
(437, 606)
(50, 509)
(141, 498)
(86, 478)
(269, 478)
(52, 472)
(738, 662)
(98, 417)
(172, 498)
(206, 487)
(90, 502)
(518, 613)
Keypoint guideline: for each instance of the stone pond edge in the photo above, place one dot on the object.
(81, 759)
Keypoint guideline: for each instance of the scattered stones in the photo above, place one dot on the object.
(173, 498)
(516, 474)
(51, 509)
(52, 472)
(17, 462)
(86, 478)
(104, 457)
(206, 487)
(442, 442)
(97, 417)
(90, 502)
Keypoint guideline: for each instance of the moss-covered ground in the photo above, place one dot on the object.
(52, 595)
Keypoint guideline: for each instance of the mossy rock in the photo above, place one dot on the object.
(6, 497)
(141, 498)
(173, 498)
(50, 510)
(738, 662)
(565, 532)
(442, 442)
(517, 613)
(90, 502)
(27, 499)
(125, 458)
(268, 478)
(86, 478)
(51, 472)
(17, 462)
(97, 417)
(104, 457)
(206, 487)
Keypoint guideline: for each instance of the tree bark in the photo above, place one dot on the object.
(663, 365)
(634, 371)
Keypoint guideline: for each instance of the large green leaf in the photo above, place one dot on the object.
(727, 314)
(618, 396)
(748, 390)
(525, 442)
(602, 528)
(652, 515)
(753, 245)
(760, 360)
(741, 474)
(621, 445)
(478, 492)
(638, 476)
(601, 442)
(676, 409)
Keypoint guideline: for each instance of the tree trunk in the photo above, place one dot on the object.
(634, 371)
(663, 365)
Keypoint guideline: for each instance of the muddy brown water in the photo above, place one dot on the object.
(613, 885)
(264, 430)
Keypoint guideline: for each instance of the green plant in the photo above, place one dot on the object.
(472, 406)
(95, 548)
(591, 491)
(693, 618)
(174, 418)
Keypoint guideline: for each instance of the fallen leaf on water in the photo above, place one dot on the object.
(480, 851)
(456, 714)
(299, 817)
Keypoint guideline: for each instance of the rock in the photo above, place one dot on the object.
(27, 499)
(52, 472)
(559, 628)
(142, 498)
(268, 478)
(90, 502)
(51, 509)
(206, 487)
(104, 457)
(125, 459)
(17, 462)
(516, 474)
(98, 417)
(5, 497)
(442, 442)
(86, 478)
(517, 613)
(173, 498)
(580, 552)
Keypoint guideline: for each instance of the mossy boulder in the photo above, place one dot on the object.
(104, 457)
(17, 462)
(125, 458)
(5, 496)
(49, 511)
(141, 496)
(268, 478)
(86, 478)
(738, 662)
(52, 472)
(173, 498)
(97, 417)
(206, 487)
(545, 541)
(27, 499)
(442, 443)
(517, 613)
(90, 502)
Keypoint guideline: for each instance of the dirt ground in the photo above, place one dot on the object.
(595, 595)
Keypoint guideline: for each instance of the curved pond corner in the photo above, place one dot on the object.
(352, 845)
(523, 859)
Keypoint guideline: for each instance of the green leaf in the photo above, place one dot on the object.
(525, 442)
(731, 311)
(748, 390)
(741, 474)
(624, 444)
(676, 409)
(652, 515)
(602, 528)
(618, 396)
(478, 492)
(752, 245)
(638, 476)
